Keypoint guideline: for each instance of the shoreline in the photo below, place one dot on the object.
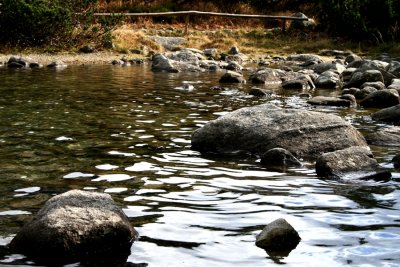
(69, 58)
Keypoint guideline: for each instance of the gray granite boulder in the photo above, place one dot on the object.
(77, 226)
(278, 235)
(260, 128)
(352, 163)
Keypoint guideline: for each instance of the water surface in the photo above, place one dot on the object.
(126, 132)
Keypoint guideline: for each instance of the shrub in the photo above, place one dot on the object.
(37, 22)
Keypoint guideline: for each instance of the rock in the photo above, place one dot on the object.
(232, 77)
(395, 84)
(234, 50)
(352, 163)
(278, 159)
(394, 68)
(376, 85)
(87, 49)
(118, 62)
(385, 137)
(360, 77)
(239, 58)
(266, 76)
(304, 58)
(302, 82)
(34, 65)
(396, 161)
(381, 99)
(391, 114)
(186, 55)
(351, 91)
(328, 66)
(332, 101)
(363, 93)
(169, 43)
(302, 24)
(162, 63)
(260, 92)
(348, 73)
(76, 226)
(329, 79)
(234, 66)
(351, 58)
(278, 235)
(18, 62)
(260, 128)
(211, 53)
(374, 65)
(57, 65)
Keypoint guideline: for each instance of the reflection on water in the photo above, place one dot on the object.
(126, 132)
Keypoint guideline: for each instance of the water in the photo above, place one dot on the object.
(126, 131)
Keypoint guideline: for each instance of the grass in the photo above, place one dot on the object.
(252, 41)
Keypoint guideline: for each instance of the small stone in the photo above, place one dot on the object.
(279, 235)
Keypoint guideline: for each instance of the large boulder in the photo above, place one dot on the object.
(77, 226)
(260, 128)
(391, 114)
(277, 236)
(351, 163)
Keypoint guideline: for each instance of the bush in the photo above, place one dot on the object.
(361, 19)
(37, 22)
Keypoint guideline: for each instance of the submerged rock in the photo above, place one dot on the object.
(278, 236)
(260, 128)
(353, 163)
(279, 158)
(77, 226)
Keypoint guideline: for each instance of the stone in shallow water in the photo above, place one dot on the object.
(260, 128)
(278, 238)
(77, 226)
(353, 163)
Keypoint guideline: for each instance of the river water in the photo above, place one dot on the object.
(126, 131)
